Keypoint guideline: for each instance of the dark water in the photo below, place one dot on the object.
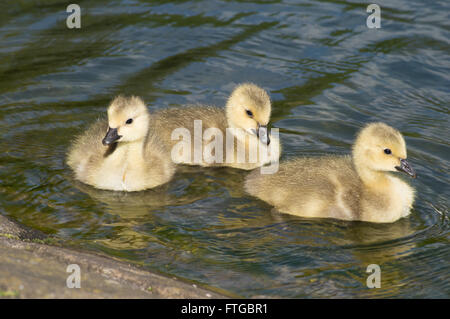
(328, 75)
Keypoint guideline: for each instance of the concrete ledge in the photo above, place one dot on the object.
(30, 269)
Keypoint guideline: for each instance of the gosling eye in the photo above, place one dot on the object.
(387, 151)
(249, 113)
(129, 121)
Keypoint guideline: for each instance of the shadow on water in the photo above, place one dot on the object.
(145, 80)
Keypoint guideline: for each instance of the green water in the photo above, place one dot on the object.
(328, 75)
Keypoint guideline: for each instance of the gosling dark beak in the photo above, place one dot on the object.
(406, 168)
(111, 136)
(263, 134)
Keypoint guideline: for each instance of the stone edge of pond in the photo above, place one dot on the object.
(30, 267)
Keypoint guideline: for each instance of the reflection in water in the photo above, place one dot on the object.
(327, 74)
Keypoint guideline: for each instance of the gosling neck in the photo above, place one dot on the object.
(228, 113)
(136, 146)
(371, 178)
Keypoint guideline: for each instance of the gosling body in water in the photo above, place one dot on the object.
(358, 187)
(122, 153)
(248, 110)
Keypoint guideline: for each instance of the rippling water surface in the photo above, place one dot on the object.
(328, 75)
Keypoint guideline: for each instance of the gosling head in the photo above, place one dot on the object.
(127, 119)
(249, 108)
(380, 147)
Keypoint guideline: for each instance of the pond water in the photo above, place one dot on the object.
(328, 75)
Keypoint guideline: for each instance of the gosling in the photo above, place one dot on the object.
(247, 111)
(130, 157)
(358, 187)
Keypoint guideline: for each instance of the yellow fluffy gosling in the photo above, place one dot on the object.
(248, 108)
(123, 153)
(358, 187)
